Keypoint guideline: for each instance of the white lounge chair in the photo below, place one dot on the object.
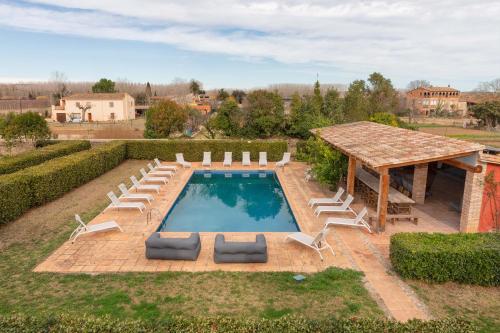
(262, 158)
(143, 187)
(156, 172)
(228, 159)
(179, 158)
(207, 159)
(358, 221)
(284, 161)
(317, 243)
(345, 207)
(151, 179)
(133, 196)
(246, 159)
(87, 229)
(161, 166)
(335, 200)
(116, 203)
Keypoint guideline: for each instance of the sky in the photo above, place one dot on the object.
(251, 43)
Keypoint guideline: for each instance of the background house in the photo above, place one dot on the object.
(434, 100)
(95, 107)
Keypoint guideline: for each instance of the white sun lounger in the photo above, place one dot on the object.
(335, 200)
(116, 203)
(317, 243)
(87, 229)
(133, 196)
(179, 158)
(345, 207)
(284, 161)
(160, 166)
(358, 221)
(207, 159)
(262, 158)
(151, 179)
(228, 159)
(246, 158)
(143, 187)
(156, 172)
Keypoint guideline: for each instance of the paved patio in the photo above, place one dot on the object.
(356, 249)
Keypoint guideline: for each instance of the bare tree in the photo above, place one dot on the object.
(417, 84)
(59, 79)
(489, 86)
(84, 109)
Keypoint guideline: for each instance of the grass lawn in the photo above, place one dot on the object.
(30, 239)
(478, 304)
(474, 135)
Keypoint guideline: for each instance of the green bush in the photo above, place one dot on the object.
(75, 324)
(45, 182)
(463, 258)
(193, 149)
(37, 156)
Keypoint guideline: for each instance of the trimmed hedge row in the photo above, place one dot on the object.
(463, 258)
(75, 324)
(193, 149)
(45, 182)
(40, 155)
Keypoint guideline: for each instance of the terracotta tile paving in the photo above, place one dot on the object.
(124, 252)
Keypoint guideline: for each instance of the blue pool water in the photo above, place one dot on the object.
(231, 201)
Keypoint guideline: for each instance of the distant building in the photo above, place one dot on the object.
(473, 98)
(431, 100)
(94, 107)
(202, 103)
(40, 105)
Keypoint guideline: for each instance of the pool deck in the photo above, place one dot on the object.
(114, 252)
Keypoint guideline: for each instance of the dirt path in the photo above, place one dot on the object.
(38, 222)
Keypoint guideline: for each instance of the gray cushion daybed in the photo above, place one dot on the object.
(240, 251)
(173, 248)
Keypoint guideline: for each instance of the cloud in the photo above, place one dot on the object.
(449, 38)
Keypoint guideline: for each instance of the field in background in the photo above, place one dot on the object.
(484, 137)
(131, 129)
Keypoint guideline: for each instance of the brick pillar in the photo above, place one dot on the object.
(472, 200)
(419, 183)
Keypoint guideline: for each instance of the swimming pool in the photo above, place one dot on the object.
(231, 201)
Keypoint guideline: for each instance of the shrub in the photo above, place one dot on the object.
(68, 323)
(463, 258)
(37, 156)
(193, 149)
(45, 182)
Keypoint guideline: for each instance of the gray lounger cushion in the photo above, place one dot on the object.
(173, 248)
(243, 252)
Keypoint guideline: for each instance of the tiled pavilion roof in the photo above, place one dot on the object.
(381, 146)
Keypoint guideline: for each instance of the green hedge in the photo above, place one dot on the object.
(193, 149)
(75, 324)
(463, 258)
(40, 155)
(45, 182)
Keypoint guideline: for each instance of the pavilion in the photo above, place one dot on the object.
(380, 148)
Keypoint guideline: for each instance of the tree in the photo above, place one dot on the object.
(165, 118)
(332, 107)
(385, 119)
(238, 95)
(417, 84)
(488, 113)
(9, 132)
(222, 94)
(490, 86)
(382, 97)
(317, 99)
(61, 89)
(84, 109)
(148, 93)
(104, 86)
(194, 120)
(32, 126)
(304, 116)
(355, 102)
(211, 126)
(229, 118)
(264, 114)
(195, 87)
(141, 98)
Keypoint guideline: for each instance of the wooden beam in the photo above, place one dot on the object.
(461, 165)
(351, 175)
(383, 195)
